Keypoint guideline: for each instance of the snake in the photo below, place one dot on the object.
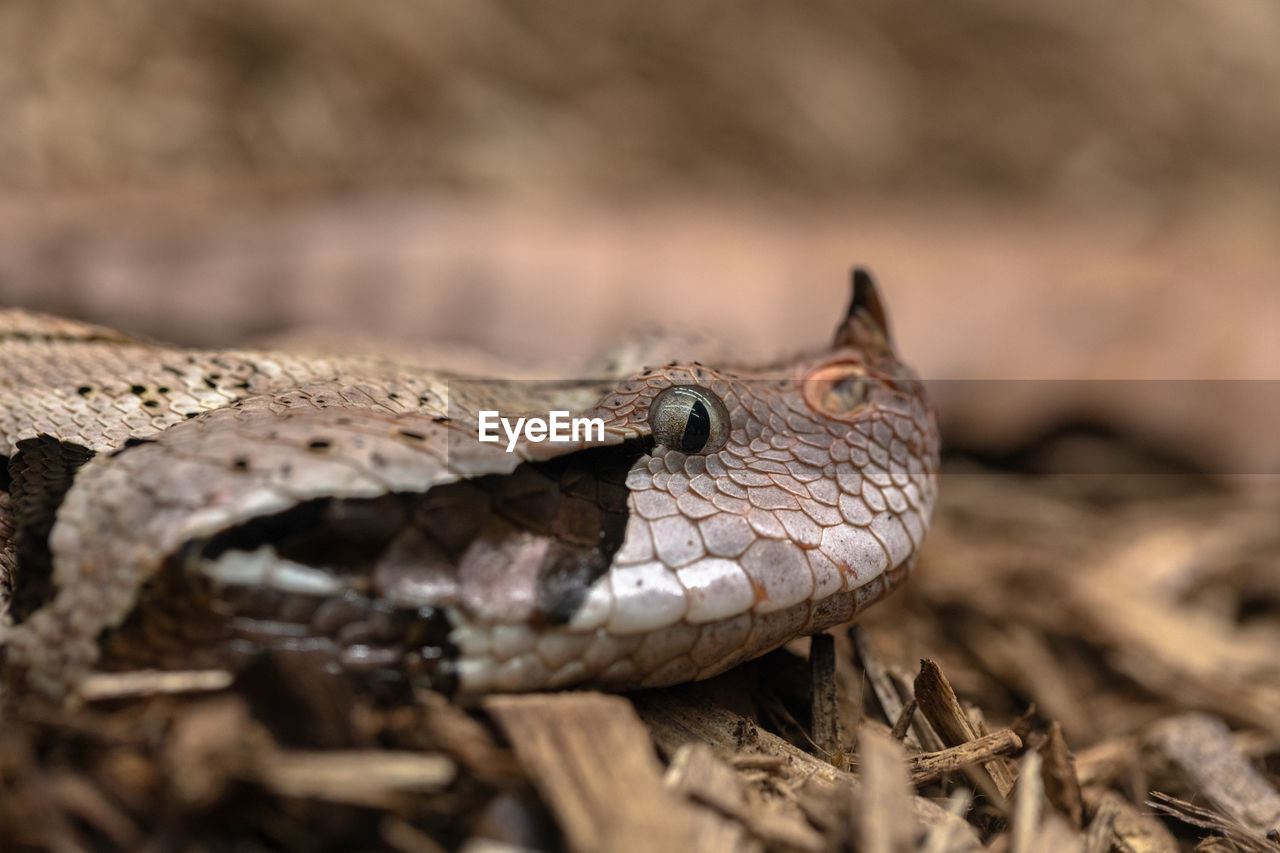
(176, 509)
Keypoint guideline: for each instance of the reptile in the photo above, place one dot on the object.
(170, 508)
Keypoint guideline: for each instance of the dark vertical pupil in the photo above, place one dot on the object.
(697, 429)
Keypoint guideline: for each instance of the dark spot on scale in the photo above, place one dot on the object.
(138, 389)
(84, 390)
(130, 443)
(378, 460)
(190, 415)
(286, 469)
(319, 444)
(240, 463)
(442, 419)
(151, 404)
(343, 421)
(393, 396)
(209, 381)
(163, 389)
(243, 386)
(416, 436)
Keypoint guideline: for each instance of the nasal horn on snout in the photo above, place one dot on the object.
(865, 325)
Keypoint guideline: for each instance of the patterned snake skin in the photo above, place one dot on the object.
(183, 509)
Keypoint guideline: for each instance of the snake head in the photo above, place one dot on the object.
(769, 504)
(364, 524)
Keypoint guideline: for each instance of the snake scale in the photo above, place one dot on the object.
(177, 509)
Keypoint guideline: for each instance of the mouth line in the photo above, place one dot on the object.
(325, 545)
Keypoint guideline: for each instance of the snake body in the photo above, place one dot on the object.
(178, 508)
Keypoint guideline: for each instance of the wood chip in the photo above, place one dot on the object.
(403, 837)
(1020, 657)
(679, 718)
(77, 796)
(749, 761)
(103, 686)
(1102, 827)
(939, 705)
(903, 722)
(1027, 805)
(921, 730)
(1202, 748)
(1135, 830)
(932, 766)
(368, 778)
(210, 746)
(592, 760)
(1060, 783)
(886, 819)
(1237, 837)
(825, 706)
(216, 742)
(698, 773)
(1034, 829)
(941, 837)
(488, 845)
(1179, 651)
(465, 739)
(882, 686)
(1102, 762)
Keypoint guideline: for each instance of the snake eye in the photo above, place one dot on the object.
(689, 419)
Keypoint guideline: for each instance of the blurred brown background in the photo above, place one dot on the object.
(1055, 190)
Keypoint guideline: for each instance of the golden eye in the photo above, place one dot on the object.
(837, 389)
(689, 419)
